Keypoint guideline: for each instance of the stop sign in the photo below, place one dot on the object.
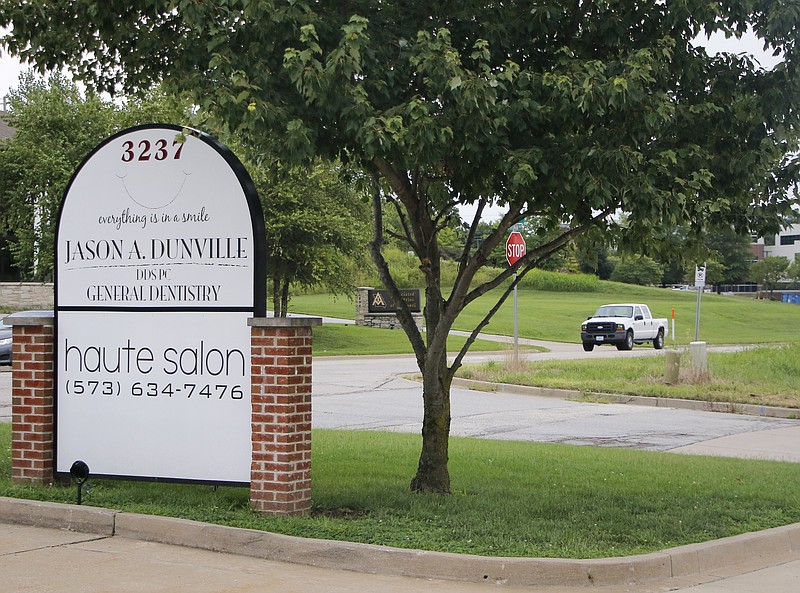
(515, 248)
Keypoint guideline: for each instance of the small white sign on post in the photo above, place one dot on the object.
(700, 276)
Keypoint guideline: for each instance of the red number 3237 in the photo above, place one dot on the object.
(146, 150)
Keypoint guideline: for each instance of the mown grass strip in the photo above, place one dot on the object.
(334, 339)
(768, 376)
(509, 498)
(557, 316)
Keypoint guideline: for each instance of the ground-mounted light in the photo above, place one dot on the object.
(80, 473)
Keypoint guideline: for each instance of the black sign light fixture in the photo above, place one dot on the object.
(80, 473)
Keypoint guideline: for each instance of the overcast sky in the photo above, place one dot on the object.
(9, 73)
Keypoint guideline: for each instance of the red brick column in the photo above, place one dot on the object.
(280, 473)
(32, 398)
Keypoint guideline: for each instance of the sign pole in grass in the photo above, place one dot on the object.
(673, 325)
(515, 250)
(697, 349)
(699, 282)
(516, 325)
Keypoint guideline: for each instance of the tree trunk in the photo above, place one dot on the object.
(280, 296)
(276, 301)
(285, 298)
(432, 473)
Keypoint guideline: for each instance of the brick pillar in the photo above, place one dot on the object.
(280, 473)
(32, 398)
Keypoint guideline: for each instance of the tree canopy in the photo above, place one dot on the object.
(568, 111)
(57, 126)
(637, 269)
(770, 271)
(316, 225)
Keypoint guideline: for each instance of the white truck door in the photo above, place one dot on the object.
(642, 324)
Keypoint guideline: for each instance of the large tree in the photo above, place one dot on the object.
(769, 272)
(733, 252)
(637, 269)
(571, 111)
(317, 228)
(56, 127)
(726, 251)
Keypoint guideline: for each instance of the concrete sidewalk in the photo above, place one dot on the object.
(57, 548)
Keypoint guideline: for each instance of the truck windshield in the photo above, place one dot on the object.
(614, 311)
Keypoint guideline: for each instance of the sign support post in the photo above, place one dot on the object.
(700, 283)
(515, 251)
(516, 325)
(697, 349)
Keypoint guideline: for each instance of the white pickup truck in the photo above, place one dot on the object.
(623, 325)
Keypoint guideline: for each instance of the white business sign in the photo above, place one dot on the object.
(159, 264)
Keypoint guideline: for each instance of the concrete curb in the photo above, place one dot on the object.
(762, 549)
(638, 400)
(68, 517)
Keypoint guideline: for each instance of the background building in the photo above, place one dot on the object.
(785, 244)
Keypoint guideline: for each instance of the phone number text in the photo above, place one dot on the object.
(81, 387)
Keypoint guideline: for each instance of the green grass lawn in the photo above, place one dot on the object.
(509, 498)
(768, 375)
(334, 339)
(557, 316)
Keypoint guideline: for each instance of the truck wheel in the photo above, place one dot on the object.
(628, 343)
(588, 346)
(658, 343)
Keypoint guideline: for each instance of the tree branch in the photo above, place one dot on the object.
(473, 229)
(532, 258)
(407, 235)
(403, 313)
(579, 11)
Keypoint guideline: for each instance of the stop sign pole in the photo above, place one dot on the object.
(515, 251)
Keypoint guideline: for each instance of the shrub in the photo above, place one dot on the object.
(637, 269)
(405, 269)
(560, 282)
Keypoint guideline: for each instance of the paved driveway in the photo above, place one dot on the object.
(370, 393)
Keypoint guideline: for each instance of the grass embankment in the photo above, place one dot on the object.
(557, 316)
(354, 340)
(763, 376)
(768, 376)
(509, 499)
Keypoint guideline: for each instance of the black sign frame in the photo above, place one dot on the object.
(255, 307)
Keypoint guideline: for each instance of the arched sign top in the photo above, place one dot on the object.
(161, 216)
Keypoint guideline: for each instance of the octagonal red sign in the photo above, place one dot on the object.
(515, 248)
